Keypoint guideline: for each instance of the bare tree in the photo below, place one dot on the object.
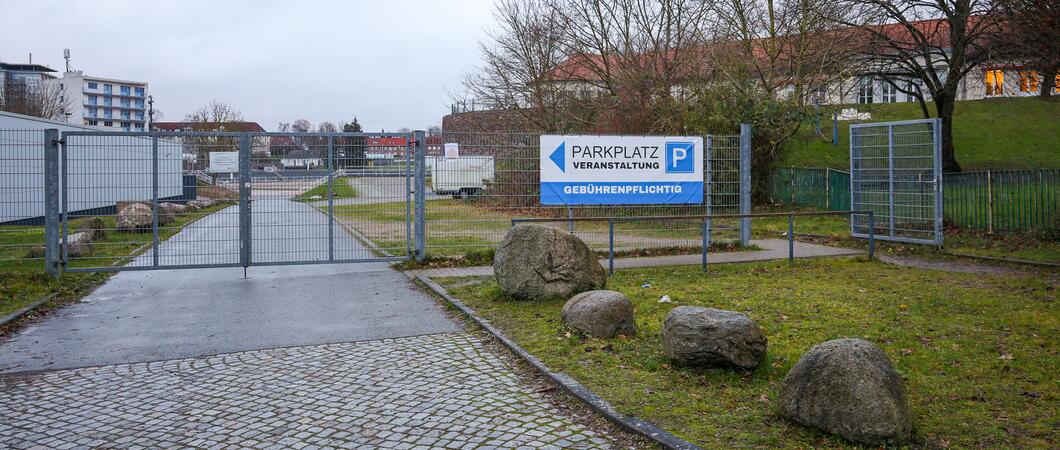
(215, 113)
(327, 127)
(519, 61)
(1032, 36)
(926, 47)
(40, 99)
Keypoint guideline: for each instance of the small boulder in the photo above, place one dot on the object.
(848, 387)
(716, 338)
(170, 210)
(79, 244)
(603, 314)
(134, 217)
(536, 263)
(95, 226)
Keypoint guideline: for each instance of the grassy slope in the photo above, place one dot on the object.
(1009, 133)
(978, 352)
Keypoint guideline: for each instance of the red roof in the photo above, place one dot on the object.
(208, 126)
(379, 141)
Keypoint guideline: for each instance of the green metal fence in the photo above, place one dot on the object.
(827, 189)
(1010, 200)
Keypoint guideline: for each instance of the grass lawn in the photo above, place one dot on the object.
(458, 228)
(955, 240)
(340, 186)
(23, 281)
(978, 352)
(1006, 133)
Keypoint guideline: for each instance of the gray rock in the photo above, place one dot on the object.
(848, 387)
(604, 314)
(536, 263)
(95, 226)
(79, 244)
(170, 211)
(708, 337)
(134, 217)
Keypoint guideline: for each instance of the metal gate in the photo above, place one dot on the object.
(896, 172)
(224, 199)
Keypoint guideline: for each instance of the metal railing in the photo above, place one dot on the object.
(705, 229)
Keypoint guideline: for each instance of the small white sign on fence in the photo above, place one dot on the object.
(224, 162)
(452, 150)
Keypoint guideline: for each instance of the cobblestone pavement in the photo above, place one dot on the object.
(435, 391)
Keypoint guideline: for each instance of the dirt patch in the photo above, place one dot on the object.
(949, 266)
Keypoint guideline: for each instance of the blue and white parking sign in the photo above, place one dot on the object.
(621, 170)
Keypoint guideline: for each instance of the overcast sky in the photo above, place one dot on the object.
(389, 62)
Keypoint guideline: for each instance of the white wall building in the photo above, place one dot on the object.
(105, 102)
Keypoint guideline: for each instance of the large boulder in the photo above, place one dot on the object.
(79, 244)
(603, 314)
(536, 263)
(134, 217)
(849, 388)
(715, 338)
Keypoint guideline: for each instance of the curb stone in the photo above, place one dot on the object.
(628, 423)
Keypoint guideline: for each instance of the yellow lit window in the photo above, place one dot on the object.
(995, 82)
(1029, 81)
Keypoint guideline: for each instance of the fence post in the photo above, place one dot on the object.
(791, 179)
(706, 242)
(745, 183)
(791, 238)
(827, 189)
(154, 201)
(244, 202)
(610, 247)
(331, 202)
(420, 225)
(989, 202)
(51, 201)
(890, 178)
(835, 129)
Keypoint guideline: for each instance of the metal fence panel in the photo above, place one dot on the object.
(896, 172)
(471, 200)
(21, 196)
(292, 198)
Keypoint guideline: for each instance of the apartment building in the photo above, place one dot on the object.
(105, 102)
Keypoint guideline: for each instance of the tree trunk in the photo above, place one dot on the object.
(944, 104)
(1045, 88)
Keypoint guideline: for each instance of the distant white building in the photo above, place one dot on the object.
(105, 102)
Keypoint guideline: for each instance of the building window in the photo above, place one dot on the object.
(889, 93)
(93, 122)
(125, 90)
(865, 91)
(139, 127)
(139, 92)
(90, 112)
(108, 113)
(93, 86)
(108, 123)
(126, 126)
(138, 103)
(125, 102)
(107, 101)
(995, 83)
(107, 89)
(1029, 81)
(139, 116)
(91, 99)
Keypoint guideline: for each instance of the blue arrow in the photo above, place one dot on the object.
(558, 155)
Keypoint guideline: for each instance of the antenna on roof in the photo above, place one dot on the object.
(31, 57)
(66, 55)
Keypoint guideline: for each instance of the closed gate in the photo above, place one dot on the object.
(896, 172)
(222, 199)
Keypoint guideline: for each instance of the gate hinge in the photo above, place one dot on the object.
(59, 141)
